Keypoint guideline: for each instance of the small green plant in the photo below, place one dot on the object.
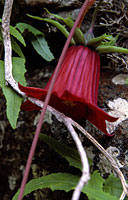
(13, 99)
(97, 188)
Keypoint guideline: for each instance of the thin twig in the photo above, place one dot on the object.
(85, 166)
(123, 195)
(107, 155)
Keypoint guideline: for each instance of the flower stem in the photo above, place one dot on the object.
(94, 16)
(89, 35)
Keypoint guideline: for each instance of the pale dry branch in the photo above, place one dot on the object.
(7, 46)
(123, 195)
(85, 166)
(106, 154)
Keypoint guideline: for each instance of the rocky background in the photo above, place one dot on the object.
(15, 144)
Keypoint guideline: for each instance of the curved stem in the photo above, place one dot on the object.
(94, 16)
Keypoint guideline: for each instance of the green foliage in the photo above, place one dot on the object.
(55, 23)
(103, 44)
(112, 185)
(16, 48)
(67, 182)
(96, 189)
(78, 35)
(15, 33)
(127, 81)
(41, 46)
(106, 44)
(38, 41)
(95, 42)
(13, 100)
(59, 181)
(70, 154)
(111, 49)
(23, 26)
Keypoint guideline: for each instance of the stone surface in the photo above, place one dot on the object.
(60, 3)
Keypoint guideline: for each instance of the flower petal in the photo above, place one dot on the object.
(76, 88)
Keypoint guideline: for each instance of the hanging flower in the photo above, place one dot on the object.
(76, 88)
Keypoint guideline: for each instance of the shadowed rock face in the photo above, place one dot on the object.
(60, 3)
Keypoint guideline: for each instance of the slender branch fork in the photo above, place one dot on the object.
(61, 117)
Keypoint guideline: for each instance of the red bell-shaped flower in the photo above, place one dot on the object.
(76, 88)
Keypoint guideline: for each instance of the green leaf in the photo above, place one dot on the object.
(94, 188)
(111, 49)
(55, 23)
(70, 154)
(113, 186)
(17, 48)
(67, 182)
(95, 42)
(23, 26)
(13, 100)
(17, 35)
(19, 70)
(78, 35)
(127, 81)
(55, 181)
(42, 48)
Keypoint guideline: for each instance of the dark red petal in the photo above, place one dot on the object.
(98, 117)
(37, 93)
(78, 76)
(29, 106)
(76, 88)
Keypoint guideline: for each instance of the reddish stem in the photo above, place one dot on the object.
(90, 3)
(38, 129)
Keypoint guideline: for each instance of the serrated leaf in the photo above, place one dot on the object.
(67, 182)
(113, 186)
(23, 26)
(94, 188)
(55, 23)
(55, 181)
(70, 154)
(42, 48)
(15, 33)
(19, 70)
(13, 103)
(13, 100)
(17, 48)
